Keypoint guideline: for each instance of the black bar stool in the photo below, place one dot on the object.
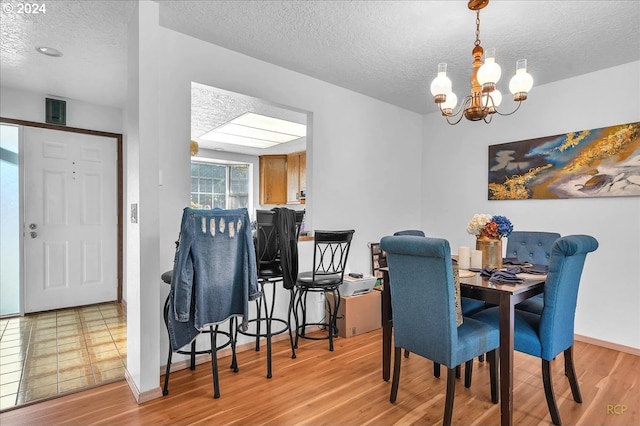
(271, 267)
(331, 249)
(192, 352)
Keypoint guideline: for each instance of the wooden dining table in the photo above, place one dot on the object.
(506, 296)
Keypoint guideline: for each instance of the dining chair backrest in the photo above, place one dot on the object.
(422, 295)
(331, 250)
(568, 255)
(531, 246)
(415, 232)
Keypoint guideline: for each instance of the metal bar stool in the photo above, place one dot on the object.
(331, 249)
(192, 352)
(271, 269)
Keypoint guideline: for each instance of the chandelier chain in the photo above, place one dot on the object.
(477, 42)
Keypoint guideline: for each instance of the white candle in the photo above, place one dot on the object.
(463, 257)
(476, 259)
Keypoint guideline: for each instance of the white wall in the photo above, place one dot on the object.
(358, 173)
(30, 106)
(355, 151)
(455, 188)
(142, 246)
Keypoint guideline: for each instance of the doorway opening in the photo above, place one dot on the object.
(59, 344)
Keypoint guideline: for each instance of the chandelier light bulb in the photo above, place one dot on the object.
(522, 82)
(490, 71)
(495, 101)
(441, 85)
(497, 98)
(450, 103)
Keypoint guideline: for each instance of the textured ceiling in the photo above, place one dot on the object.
(388, 50)
(92, 36)
(211, 107)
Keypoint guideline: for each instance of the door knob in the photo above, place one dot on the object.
(33, 226)
(33, 234)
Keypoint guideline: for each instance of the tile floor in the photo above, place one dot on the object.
(46, 354)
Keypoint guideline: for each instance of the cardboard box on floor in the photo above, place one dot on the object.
(358, 314)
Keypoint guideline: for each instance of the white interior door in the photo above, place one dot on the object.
(70, 219)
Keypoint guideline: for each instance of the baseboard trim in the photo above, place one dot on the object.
(608, 345)
(141, 397)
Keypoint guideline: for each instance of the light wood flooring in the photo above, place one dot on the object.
(345, 387)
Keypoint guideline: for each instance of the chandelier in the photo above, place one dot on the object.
(485, 98)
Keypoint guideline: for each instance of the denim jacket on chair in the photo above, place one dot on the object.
(214, 272)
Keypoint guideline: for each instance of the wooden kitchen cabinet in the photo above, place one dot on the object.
(282, 178)
(273, 179)
(296, 176)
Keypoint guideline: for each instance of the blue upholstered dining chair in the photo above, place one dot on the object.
(422, 298)
(547, 335)
(468, 306)
(415, 232)
(533, 247)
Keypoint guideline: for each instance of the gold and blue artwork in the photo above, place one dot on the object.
(602, 162)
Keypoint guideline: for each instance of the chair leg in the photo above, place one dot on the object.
(165, 389)
(269, 352)
(451, 393)
(268, 310)
(468, 371)
(492, 356)
(295, 307)
(548, 392)
(481, 358)
(192, 356)
(214, 361)
(396, 374)
(333, 313)
(436, 370)
(259, 302)
(458, 372)
(406, 353)
(570, 372)
(303, 306)
(233, 335)
(291, 300)
(336, 294)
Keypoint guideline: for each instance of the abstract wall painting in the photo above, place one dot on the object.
(602, 162)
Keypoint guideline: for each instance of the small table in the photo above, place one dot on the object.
(506, 296)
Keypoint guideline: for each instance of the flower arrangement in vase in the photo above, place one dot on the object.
(489, 231)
